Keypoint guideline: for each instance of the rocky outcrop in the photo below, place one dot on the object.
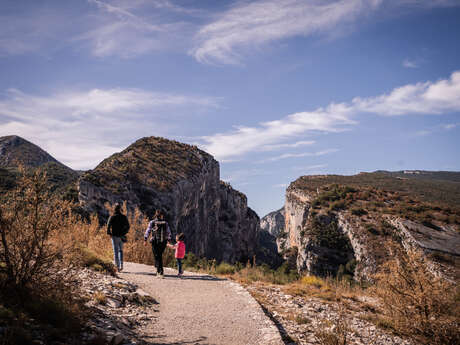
(323, 246)
(155, 173)
(271, 226)
(273, 222)
(343, 230)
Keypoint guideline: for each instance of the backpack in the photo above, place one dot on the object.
(160, 231)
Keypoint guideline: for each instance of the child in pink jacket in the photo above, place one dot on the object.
(180, 251)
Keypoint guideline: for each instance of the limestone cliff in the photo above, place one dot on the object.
(155, 173)
(347, 230)
(273, 222)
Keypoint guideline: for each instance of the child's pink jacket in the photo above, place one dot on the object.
(180, 250)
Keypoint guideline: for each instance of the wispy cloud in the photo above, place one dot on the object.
(410, 63)
(298, 155)
(104, 28)
(250, 24)
(284, 146)
(429, 97)
(310, 167)
(122, 29)
(70, 125)
(450, 126)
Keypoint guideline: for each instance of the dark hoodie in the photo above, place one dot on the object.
(118, 225)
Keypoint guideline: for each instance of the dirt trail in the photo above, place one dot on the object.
(201, 309)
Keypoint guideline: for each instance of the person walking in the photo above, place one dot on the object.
(161, 234)
(117, 228)
(179, 253)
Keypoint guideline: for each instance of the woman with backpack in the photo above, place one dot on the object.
(161, 235)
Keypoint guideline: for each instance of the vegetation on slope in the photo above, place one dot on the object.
(16, 152)
(152, 161)
(446, 192)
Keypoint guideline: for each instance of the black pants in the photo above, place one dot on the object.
(158, 248)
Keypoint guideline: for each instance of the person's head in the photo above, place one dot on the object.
(180, 237)
(161, 215)
(156, 214)
(117, 207)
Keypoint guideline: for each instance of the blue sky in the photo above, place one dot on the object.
(274, 89)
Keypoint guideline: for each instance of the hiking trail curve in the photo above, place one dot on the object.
(202, 309)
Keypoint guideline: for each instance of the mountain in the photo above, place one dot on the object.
(452, 176)
(273, 222)
(346, 225)
(184, 181)
(16, 151)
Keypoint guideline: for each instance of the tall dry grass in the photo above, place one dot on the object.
(92, 236)
(416, 302)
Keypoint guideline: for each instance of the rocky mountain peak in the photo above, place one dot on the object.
(15, 151)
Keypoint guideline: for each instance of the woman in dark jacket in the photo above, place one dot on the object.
(117, 227)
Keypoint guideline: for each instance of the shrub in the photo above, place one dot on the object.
(312, 280)
(416, 302)
(225, 268)
(30, 259)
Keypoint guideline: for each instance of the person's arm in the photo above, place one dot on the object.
(109, 226)
(147, 232)
(168, 232)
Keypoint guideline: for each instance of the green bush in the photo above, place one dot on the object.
(225, 268)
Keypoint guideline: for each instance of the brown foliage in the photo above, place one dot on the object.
(416, 302)
(29, 220)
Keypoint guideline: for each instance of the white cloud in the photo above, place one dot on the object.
(120, 29)
(284, 146)
(421, 98)
(437, 97)
(281, 185)
(410, 63)
(299, 155)
(450, 126)
(80, 128)
(311, 167)
(250, 24)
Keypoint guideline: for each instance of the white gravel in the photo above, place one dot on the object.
(201, 309)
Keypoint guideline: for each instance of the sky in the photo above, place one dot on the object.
(273, 89)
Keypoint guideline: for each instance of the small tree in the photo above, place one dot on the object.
(32, 257)
(416, 302)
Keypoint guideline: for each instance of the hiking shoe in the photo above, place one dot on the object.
(120, 269)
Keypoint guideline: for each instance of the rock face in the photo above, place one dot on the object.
(343, 230)
(155, 173)
(273, 222)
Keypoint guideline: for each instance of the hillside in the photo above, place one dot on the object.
(434, 187)
(153, 161)
(16, 151)
(183, 181)
(346, 224)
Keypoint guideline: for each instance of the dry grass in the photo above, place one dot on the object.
(100, 297)
(417, 303)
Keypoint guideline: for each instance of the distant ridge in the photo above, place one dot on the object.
(16, 151)
(453, 176)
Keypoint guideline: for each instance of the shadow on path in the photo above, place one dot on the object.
(175, 276)
(157, 341)
(284, 334)
(197, 277)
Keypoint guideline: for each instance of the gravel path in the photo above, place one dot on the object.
(201, 309)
